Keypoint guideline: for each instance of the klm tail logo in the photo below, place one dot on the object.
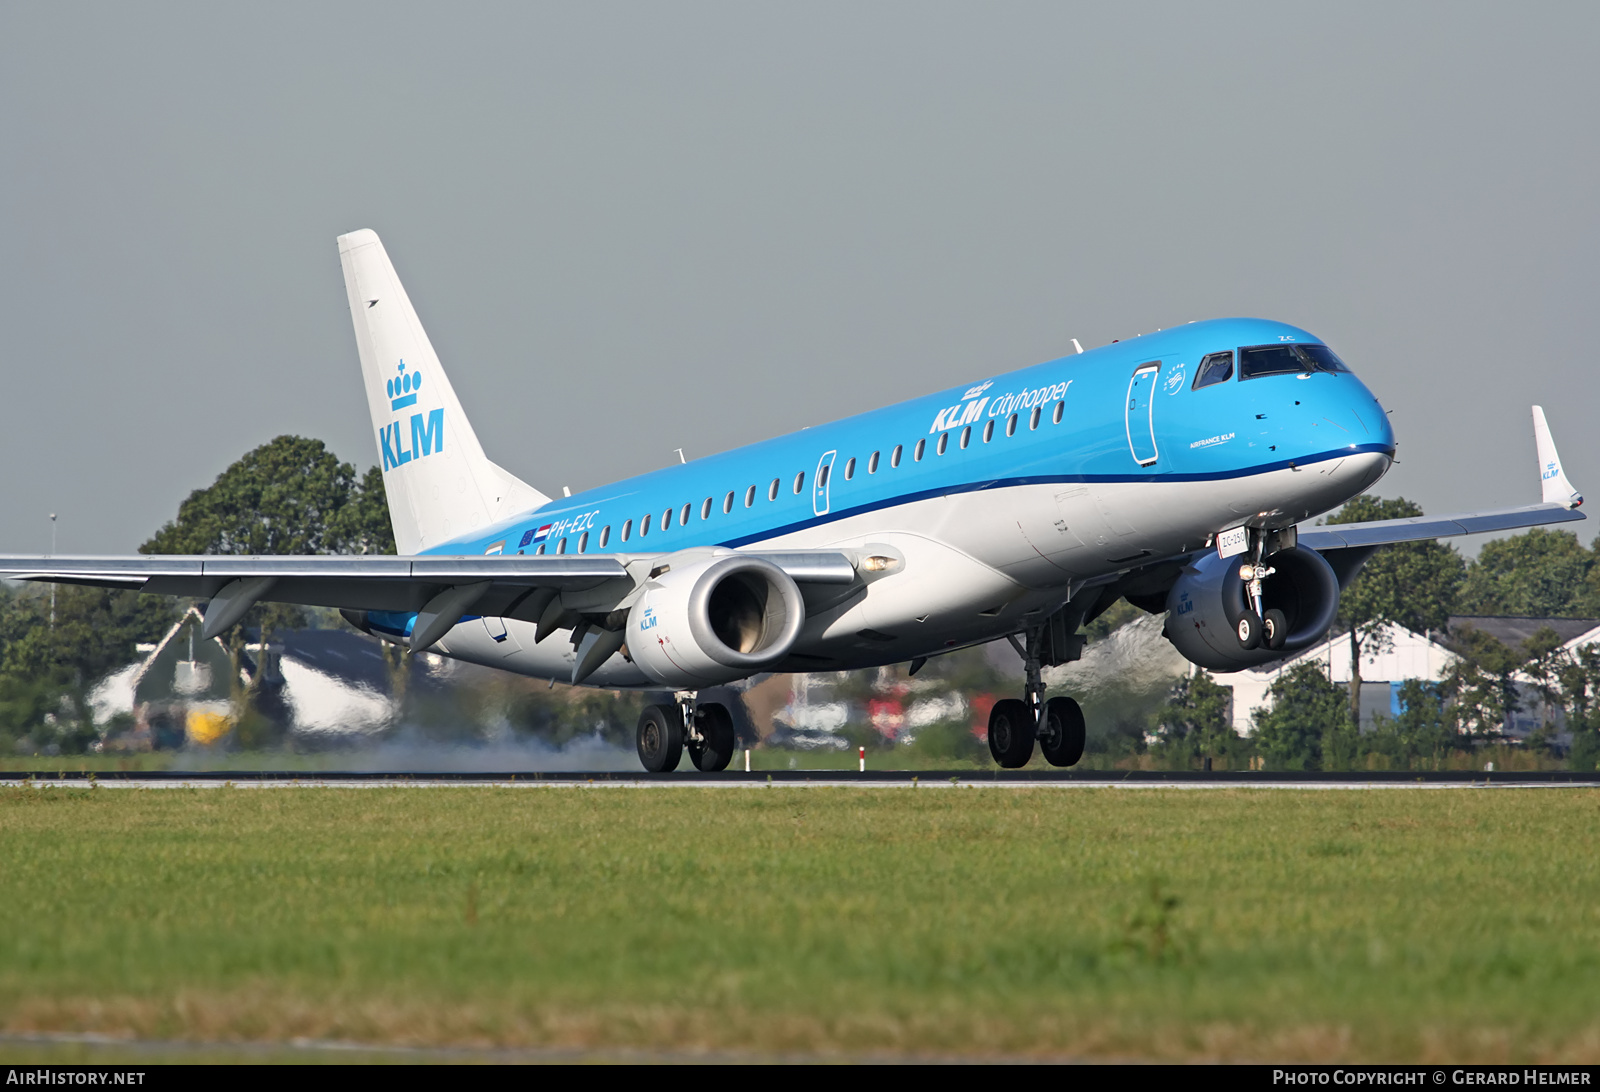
(427, 432)
(403, 390)
(1550, 471)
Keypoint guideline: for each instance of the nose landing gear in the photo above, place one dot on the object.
(1257, 627)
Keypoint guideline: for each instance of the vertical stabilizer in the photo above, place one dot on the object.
(439, 482)
(1554, 486)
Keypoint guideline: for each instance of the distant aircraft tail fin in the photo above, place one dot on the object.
(439, 482)
(1552, 479)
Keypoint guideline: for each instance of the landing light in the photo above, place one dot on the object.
(877, 563)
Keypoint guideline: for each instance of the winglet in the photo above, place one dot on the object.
(1552, 479)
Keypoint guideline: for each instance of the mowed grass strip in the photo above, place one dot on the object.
(1267, 924)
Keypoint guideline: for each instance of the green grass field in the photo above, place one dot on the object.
(1432, 925)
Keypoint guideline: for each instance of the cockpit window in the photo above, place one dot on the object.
(1325, 357)
(1216, 368)
(1262, 360)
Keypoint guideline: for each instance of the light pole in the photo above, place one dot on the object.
(52, 586)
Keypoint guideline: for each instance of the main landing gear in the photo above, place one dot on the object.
(1014, 725)
(705, 729)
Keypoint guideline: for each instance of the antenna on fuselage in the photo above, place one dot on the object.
(681, 459)
(1076, 346)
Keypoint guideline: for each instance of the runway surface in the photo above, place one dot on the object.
(1130, 779)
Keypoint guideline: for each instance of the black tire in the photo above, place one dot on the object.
(1248, 630)
(1062, 737)
(660, 738)
(1011, 733)
(714, 749)
(1274, 629)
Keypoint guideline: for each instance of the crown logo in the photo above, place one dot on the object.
(973, 392)
(403, 388)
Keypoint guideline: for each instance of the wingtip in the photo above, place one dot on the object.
(1553, 484)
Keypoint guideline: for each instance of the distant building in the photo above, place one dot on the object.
(1409, 656)
(1413, 656)
(315, 685)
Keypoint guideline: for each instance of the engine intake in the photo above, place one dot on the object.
(714, 620)
(1204, 606)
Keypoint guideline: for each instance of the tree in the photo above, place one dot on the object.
(290, 496)
(46, 670)
(1541, 574)
(1299, 727)
(1479, 684)
(1424, 732)
(1196, 724)
(1410, 584)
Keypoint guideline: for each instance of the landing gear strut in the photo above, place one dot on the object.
(1057, 724)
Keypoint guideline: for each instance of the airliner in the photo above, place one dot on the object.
(1174, 470)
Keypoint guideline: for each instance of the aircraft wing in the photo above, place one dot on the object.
(1559, 504)
(1385, 532)
(497, 585)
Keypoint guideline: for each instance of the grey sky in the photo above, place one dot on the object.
(630, 228)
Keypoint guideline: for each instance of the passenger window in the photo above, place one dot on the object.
(1061, 409)
(1033, 418)
(561, 547)
(822, 476)
(605, 535)
(1216, 368)
(872, 464)
(627, 529)
(894, 457)
(666, 519)
(916, 456)
(705, 508)
(750, 496)
(966, 437)
(849, 470)
(644, 526)
(583, 542)
(727, 503)
(799, 482)
(988, 430)
(683, 516)
(1011, 425)
(944, 442)
(540, 550)
(772, 490)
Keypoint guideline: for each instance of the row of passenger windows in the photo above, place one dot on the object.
(682, 515)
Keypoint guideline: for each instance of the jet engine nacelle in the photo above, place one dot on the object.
(1204, 606)
(713, 620)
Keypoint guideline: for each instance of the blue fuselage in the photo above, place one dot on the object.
(1127, 412)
